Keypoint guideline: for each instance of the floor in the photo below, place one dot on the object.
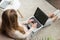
(53, 32)
(55, 3)
(28, 8)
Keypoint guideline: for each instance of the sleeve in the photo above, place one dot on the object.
(20, 35)
(48, 22)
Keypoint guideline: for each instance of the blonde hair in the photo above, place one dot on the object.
(9, 22)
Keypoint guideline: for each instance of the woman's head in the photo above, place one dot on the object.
(9, 21)
(9, 18)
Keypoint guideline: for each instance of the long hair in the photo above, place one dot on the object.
(9, 22)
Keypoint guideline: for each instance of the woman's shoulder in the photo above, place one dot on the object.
(22, 25)
(15, 34)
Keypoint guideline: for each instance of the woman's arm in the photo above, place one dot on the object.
(20, 35)
(27, 21)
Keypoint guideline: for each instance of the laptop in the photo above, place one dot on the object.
(40, 18)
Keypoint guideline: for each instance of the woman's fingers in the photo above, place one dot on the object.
(50, 15)
(54, 18)
(34, 25)
(30, 21)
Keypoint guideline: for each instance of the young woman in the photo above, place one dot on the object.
(12, 29)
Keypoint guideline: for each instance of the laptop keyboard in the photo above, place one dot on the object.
(36, 21)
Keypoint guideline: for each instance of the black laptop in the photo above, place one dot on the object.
(39, 17)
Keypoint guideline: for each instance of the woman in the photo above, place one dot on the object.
(11, 28)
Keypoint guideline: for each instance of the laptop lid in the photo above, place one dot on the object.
(40, 16)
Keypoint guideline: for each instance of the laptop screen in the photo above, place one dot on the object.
(40, 16)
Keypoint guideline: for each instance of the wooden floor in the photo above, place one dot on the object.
(55, 3)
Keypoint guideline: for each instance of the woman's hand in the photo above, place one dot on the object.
(30, 20)
(34, 25)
